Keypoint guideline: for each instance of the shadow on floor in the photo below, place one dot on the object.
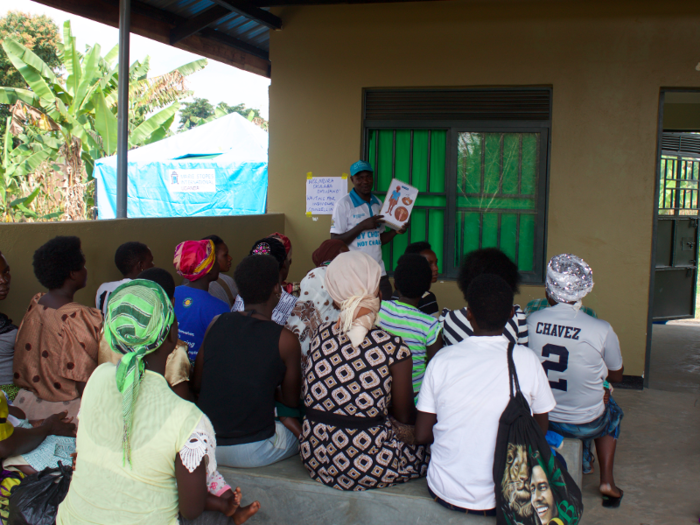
(658, 458)
(657, 462)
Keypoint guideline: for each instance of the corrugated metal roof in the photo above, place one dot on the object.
(234, 24)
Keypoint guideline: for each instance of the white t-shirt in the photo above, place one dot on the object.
(576, 351)
(217, 290)
(103, 292)
(466, 386)
(350, 211)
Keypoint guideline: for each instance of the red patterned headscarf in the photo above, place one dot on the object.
(285, 240)
(194, 259)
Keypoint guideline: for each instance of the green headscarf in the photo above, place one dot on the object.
(138, 320)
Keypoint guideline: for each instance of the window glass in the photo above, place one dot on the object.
(478, 189)
(496, 194)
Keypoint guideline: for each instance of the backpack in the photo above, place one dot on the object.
(531, 486)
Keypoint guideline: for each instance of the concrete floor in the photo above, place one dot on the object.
(675, 357)
(658, 455)
(657, 462)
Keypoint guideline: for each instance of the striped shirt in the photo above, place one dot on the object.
(456, 328)
(418, 331)
(427, 305)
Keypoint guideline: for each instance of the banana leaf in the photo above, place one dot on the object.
(10, 95)
(34, 71)
(89, 76)
(192, 67)
(153, 124)
(70, 60)
(105, 124)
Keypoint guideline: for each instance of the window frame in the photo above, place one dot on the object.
(453, 129)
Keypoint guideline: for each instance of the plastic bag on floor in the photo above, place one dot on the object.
(36, 499)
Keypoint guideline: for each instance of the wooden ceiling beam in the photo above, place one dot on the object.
(196, 24)
(247, 9)
(157, 25)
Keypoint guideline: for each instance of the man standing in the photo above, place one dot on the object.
(356, 220)
(579, 352)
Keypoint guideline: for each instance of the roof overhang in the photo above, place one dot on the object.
(235, 32)
(229, 31)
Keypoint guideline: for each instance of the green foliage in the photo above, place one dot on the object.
(38, 33)
(17, 163)
(81, 109)
(193, 113)
(200, 111)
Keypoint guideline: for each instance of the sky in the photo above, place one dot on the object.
(217, 82)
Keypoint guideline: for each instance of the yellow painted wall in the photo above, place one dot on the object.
(606, 62)
(100, 240)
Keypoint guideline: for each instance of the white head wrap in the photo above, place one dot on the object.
(352, 280)
(569, 279)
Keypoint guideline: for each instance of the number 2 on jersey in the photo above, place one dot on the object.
(557, 366)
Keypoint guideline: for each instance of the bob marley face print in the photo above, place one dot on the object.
(541, 496)
(516, 481)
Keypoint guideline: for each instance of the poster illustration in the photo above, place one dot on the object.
(398, 204)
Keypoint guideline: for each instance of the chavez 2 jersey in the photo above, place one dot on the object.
(576, 351)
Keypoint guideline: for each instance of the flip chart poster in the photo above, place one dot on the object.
(398, 204)
(323, 192)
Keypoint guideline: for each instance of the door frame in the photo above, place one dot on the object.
(655, 214)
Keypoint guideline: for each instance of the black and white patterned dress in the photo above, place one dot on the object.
(352, 384)
(456, 327)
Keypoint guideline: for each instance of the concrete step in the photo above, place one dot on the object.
(288, 495)
(572, 450)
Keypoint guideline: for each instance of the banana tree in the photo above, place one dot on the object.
(17, 163)
(83, 105)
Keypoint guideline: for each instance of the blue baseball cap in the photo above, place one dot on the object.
(359, 166)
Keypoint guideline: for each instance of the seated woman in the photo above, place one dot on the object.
(58, 338)
(290, 288)
(8, 334)
(492, 261)
(428, 303)
(315, 306)
(273, 246)
(131, 258)
(177, 367)
(224, 287)
(143, 452)
(246, 361)
(194, 306)
(354, 372)
(17, 437)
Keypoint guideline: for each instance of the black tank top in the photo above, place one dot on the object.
(242, 369)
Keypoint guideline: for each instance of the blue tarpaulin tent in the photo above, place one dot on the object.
(218, 168)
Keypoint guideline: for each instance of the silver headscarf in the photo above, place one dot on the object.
(569, 279)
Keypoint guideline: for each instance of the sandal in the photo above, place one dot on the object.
(612, 502)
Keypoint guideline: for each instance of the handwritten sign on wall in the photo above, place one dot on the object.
(323, 192)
